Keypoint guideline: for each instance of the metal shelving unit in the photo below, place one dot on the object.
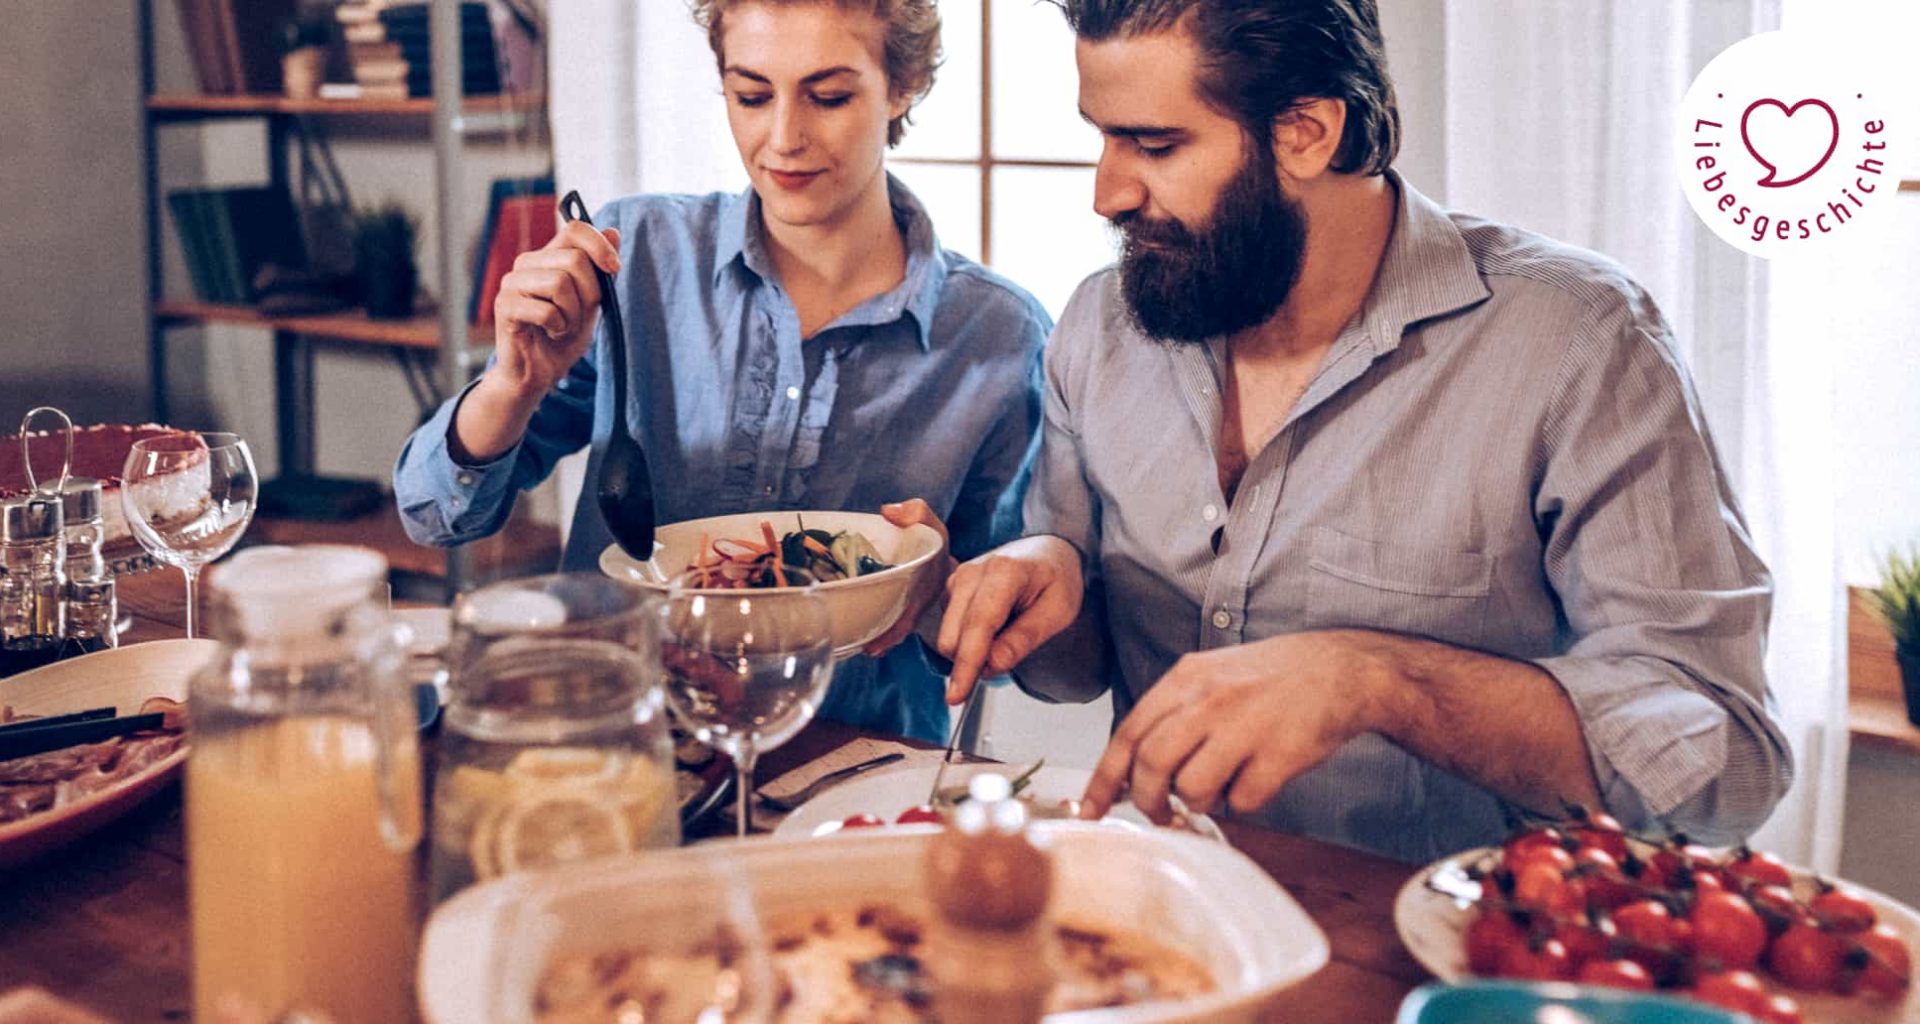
(456, 345)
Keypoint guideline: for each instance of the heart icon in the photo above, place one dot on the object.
(1790, 142)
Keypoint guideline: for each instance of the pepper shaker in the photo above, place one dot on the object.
(92, 602)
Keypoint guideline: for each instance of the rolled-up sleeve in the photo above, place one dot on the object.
(1665, 603)
(444, 502)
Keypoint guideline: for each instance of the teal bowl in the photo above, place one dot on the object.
(1513, 1002)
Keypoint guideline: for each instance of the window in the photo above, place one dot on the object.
(998, 152)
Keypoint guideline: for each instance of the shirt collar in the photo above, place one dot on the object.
(1427, 270)
(742, 237)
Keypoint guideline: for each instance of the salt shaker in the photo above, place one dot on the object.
(33, 581)
(92, 603)
(990, 886)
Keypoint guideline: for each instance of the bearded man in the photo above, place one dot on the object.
(1383, 524)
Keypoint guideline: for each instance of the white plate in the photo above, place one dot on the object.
(123, 677)
(484, 950)
(886, 793)
(1434, 928)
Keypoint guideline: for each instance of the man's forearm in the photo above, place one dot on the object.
(1502, 724)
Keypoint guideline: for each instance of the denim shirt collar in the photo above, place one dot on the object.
(742, 241)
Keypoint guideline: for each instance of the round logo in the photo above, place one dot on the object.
(1785, 144)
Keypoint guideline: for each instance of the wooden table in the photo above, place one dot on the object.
(103, 923)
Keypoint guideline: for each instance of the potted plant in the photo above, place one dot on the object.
(383, 248)
(1898, 600)
(304, 39)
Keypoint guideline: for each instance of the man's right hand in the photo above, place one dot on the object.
(1004, 604)
(544, 315)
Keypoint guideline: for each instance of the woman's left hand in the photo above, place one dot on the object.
(932, 581)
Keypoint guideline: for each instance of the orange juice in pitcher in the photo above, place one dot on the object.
(303, 796)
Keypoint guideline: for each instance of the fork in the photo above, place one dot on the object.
(812, 789)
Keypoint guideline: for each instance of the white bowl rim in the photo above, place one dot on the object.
(619, 556)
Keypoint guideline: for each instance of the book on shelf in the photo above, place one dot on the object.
(520, 218)
(229, 235)
(234, 44)
(380, 72)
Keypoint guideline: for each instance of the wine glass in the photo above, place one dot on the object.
(745, 669)
(188, 497)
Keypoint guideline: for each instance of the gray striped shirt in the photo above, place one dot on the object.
(1500, 452)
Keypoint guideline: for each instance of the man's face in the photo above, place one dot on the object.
(1210, 243)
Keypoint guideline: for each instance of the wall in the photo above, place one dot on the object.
(73, 277)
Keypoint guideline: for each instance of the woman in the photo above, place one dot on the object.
(805, 344)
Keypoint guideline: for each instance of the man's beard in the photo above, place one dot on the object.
(1237, 272)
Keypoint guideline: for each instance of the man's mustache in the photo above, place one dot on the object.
(1138, 230)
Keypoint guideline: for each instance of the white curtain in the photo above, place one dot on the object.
(1559, 117)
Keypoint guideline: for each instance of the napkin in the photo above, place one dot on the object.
(846, 755)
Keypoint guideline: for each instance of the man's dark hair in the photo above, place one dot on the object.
(1261, 58)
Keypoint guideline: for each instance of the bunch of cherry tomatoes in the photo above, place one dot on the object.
(1582, 901)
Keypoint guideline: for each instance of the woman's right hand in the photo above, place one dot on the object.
(543, 317)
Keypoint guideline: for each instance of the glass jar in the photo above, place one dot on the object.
(32, 582)
(555, 744)
(92, 605)
(303, 797)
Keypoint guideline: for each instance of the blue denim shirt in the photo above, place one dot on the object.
(931, 390)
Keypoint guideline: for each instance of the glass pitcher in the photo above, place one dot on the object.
(555, 745)
(303, 797)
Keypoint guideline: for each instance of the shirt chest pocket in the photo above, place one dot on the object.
(1424, 590)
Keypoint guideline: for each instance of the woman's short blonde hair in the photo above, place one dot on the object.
(912, 51)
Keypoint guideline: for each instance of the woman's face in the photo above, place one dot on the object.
(807, 100)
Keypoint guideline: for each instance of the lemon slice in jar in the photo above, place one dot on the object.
(560, 828)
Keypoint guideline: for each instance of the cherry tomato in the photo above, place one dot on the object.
(1617, 974)
(1880, 965)
(1726, 931)
(1543, 887)
(1488, 939)
(1586, 941)
(1652, 938)
(1781, 1009)
(1739, 991)
(1546, 836)
(862, 821)
(1806, 957)
(1754, 867)
(1676, 858)
(1598, 830)
(921, 815)
(1647, 923)
(1776, 906)
(1843, 911)
(1537, 960)
(1550, 856)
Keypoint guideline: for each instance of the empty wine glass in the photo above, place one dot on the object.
(188, 497)
(745, 669)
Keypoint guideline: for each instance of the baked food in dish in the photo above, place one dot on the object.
(849, 964)
(44, 782)
(99, 452)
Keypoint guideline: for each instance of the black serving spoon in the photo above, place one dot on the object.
(625, 488)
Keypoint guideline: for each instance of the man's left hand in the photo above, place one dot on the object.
(931, 581)
(1237, 723)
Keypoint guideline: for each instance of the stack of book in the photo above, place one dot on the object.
(230, 235)
(379, 64)
(406, 25)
